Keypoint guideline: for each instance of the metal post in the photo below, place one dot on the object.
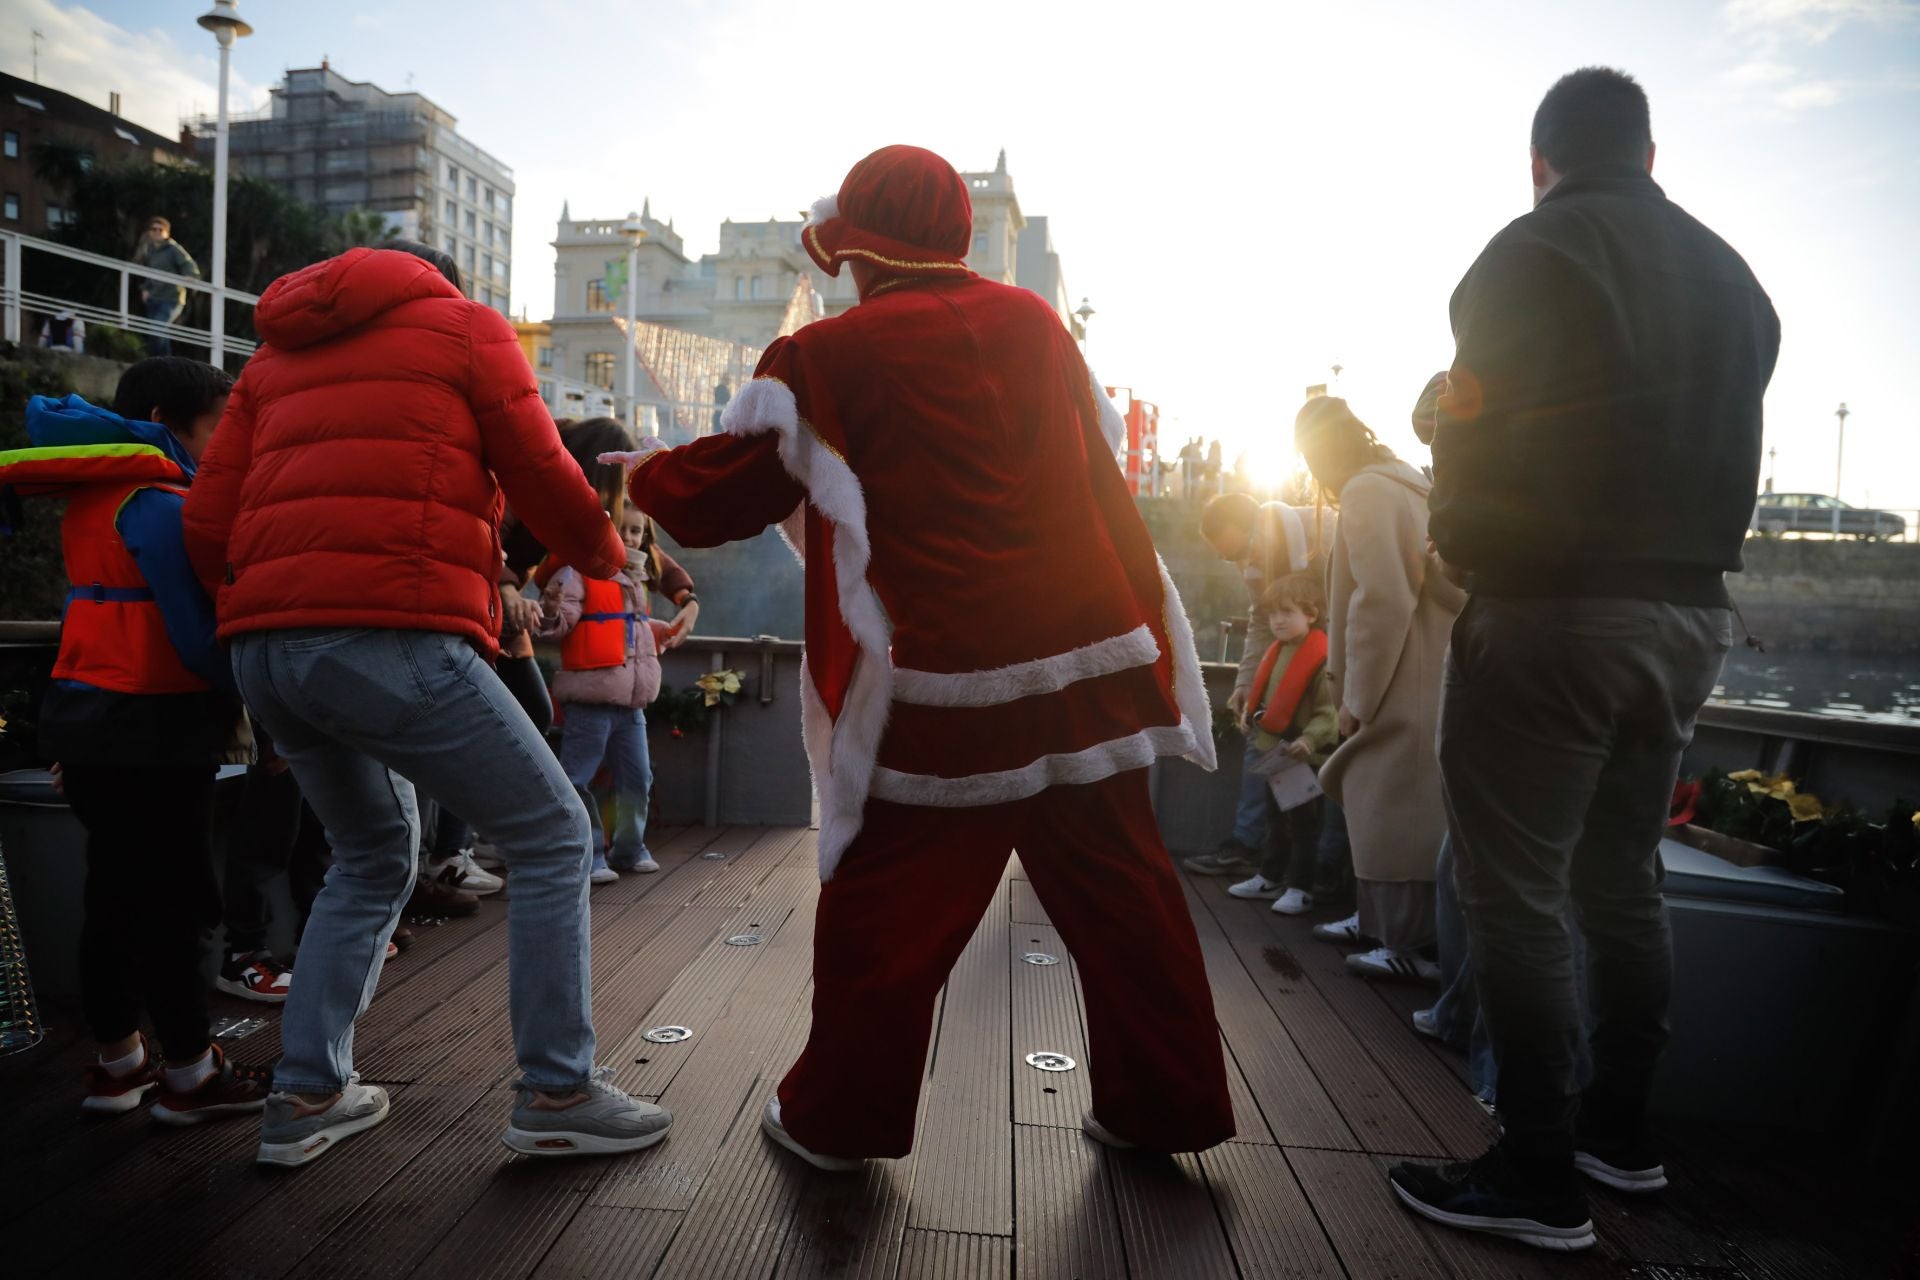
(12, 318)
(218, 323)
(1839, 464)
(715, 716)
(633, 315)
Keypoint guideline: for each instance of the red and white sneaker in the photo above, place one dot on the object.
(111, 1095)
(255, 975)
(231, 1090)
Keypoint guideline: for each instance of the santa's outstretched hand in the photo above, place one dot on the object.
(630, 459)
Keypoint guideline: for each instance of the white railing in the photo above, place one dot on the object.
(17, 302)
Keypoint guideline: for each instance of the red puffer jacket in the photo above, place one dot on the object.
(356, 478)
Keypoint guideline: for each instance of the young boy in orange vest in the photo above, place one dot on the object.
(138, 714)
(1293, 715)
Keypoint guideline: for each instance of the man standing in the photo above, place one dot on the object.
(1266, 543)
(158, 251)
(994, 656)
(1595, 460)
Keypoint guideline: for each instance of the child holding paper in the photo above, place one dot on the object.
(1293, 725)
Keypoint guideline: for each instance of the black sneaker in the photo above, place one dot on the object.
(1231, 859)
(1490, 1195)
(1625, 1161)
(431, 898)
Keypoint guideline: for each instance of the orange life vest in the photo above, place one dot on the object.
(113, 636)
(1277, 716)
(605, 633)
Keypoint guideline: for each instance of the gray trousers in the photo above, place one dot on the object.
(1560, 739)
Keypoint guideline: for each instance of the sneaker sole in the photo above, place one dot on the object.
(118, 1104)
(1525, 1230)
(611, 878)
(826, 1164)
(1632, 1181)
(1391, 975)
(244, 992)
(1291, 911)
(291, 1155)
(549, 1142)
(163, 1114)
(1261, 895)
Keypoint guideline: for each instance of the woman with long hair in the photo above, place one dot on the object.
(1389, 614)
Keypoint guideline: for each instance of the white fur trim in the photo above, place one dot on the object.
(824, 208)
(1112, 425)
(1137, 648)
(1296, 536)
(793, 532)
(842, 751)
(1189, 687)
(1102, 760)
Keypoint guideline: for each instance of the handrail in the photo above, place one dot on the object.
(15, 299)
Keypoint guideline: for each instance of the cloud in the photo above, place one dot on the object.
(1815, 20)
(162, 74)
(1770, 31)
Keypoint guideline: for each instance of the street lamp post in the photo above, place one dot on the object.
(1084, 314)
(225, 22)
(1839, 464)
(636, 232)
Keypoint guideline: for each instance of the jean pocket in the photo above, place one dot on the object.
(360, 683)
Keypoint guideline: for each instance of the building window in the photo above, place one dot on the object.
(486, 264)
(755, 291)
(448, 243)
(486, 197)
(546, 357)
(505, 209)
(31, 104)
(473, 224)
(597, 296)
(56, 217)
(979, 242)
(600, 369)
(500, 269)
(453, 214)
(12, 207)
(486, 296)
(739, 288)
(468, 256)
(339, 160)
(13, 145)
(473, 188)
(453, 175)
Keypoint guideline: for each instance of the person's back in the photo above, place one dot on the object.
(1612, 356)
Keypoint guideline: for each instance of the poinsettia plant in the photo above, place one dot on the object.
(1832, 842)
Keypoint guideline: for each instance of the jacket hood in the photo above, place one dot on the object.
(72, 421)
(1400, 471)
(327, 299)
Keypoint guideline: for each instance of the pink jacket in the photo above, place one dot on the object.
(636, 682)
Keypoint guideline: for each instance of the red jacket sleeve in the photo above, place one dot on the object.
(718, 489)
(543, 483)
(214, 497)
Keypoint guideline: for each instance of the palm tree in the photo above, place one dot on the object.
(358, 227)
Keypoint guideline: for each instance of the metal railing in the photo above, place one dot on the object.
(17, 302)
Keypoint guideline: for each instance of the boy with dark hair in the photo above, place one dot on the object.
(138, 714)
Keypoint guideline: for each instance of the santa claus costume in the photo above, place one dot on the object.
(994, 656)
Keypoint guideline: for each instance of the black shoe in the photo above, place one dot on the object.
(431, 898)
(1624, 1160)
(1491, 1195)
(1231, 859)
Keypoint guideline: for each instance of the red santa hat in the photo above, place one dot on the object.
(902, 209)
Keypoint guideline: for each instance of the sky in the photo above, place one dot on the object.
(1246, 194)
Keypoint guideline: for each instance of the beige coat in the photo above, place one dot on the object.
(1390, 614)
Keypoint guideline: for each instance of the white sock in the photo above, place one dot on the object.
(190, 1077)
(129, 1064)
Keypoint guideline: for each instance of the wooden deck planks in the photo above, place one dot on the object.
(1047, 1017)
(964, 1148)
(1064, 1205)
(949, 1255)
(849, 1227)
(603, 1241)
(1168, 1224)
(1375, 1237)
(1269, 1223)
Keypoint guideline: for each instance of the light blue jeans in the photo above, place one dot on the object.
(617, 736)
(1250, 824)
(357, 713)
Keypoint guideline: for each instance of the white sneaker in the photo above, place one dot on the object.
(1100, 1133)
(1347, 930)
(602, 873)
(1387, 962)
(488, 856)
(462, 873)
(1258, 887)
(646, 866)
(1426, 1024)
(771, 1126)
(1294, 902)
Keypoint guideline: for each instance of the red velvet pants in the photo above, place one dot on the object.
(906, 898)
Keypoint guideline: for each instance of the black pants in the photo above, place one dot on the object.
(274, 835)
(150, 897)
(1293, 846)
(1560, 739)
(451, 834)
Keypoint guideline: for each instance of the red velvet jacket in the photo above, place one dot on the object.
(986, 616)
(356, 478)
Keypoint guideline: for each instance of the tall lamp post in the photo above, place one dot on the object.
(225, 22)
(636, 232)
(1084, 314)
(1839, 464)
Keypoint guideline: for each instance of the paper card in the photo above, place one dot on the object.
(1294, 784)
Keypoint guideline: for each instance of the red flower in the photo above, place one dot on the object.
(677, 733)
(1686, 798)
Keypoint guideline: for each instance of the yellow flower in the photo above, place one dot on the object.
(1805, 808)
(1780, 788)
